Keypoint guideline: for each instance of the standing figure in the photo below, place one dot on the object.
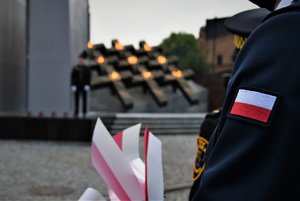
(80, 83)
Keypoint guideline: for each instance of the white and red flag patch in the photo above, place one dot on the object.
(253, 105)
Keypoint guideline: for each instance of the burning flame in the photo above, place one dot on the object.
(147, 75)
(147, 48)
(90, 45)
(119, 46)
(162, 59)
(133, 60)
(100, 60)
(177, 73)
(114, 76)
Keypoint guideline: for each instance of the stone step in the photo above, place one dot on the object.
(158, 123)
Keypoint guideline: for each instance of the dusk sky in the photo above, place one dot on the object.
(153, 20)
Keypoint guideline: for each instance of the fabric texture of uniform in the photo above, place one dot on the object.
(248, 160)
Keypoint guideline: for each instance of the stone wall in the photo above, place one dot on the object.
(13, 80)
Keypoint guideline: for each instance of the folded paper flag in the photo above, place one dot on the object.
(118, 162)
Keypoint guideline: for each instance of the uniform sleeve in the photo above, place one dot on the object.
(206, 130)
(252, 159)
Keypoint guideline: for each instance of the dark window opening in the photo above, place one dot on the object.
(220, 60)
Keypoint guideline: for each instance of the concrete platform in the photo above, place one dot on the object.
(56, 171)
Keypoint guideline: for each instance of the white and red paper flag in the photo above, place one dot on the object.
(253, 105)
(117, 161)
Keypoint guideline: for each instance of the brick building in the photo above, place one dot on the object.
(217, 45)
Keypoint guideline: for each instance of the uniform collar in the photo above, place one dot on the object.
(283, 4)
(294, 6)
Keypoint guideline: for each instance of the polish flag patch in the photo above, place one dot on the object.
(253, 105)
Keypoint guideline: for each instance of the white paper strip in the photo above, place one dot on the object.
(112, 195)
(155, 182)
(130, 144)
(117, 164)
(91, 194)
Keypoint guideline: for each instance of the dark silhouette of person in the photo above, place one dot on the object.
(252, 154)
(241, 25)
(80, 83)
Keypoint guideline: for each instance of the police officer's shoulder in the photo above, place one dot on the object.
(213, 114)
(209, 124)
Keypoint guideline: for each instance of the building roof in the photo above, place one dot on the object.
(215, 28)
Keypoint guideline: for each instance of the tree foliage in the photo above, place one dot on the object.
(186, 48)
